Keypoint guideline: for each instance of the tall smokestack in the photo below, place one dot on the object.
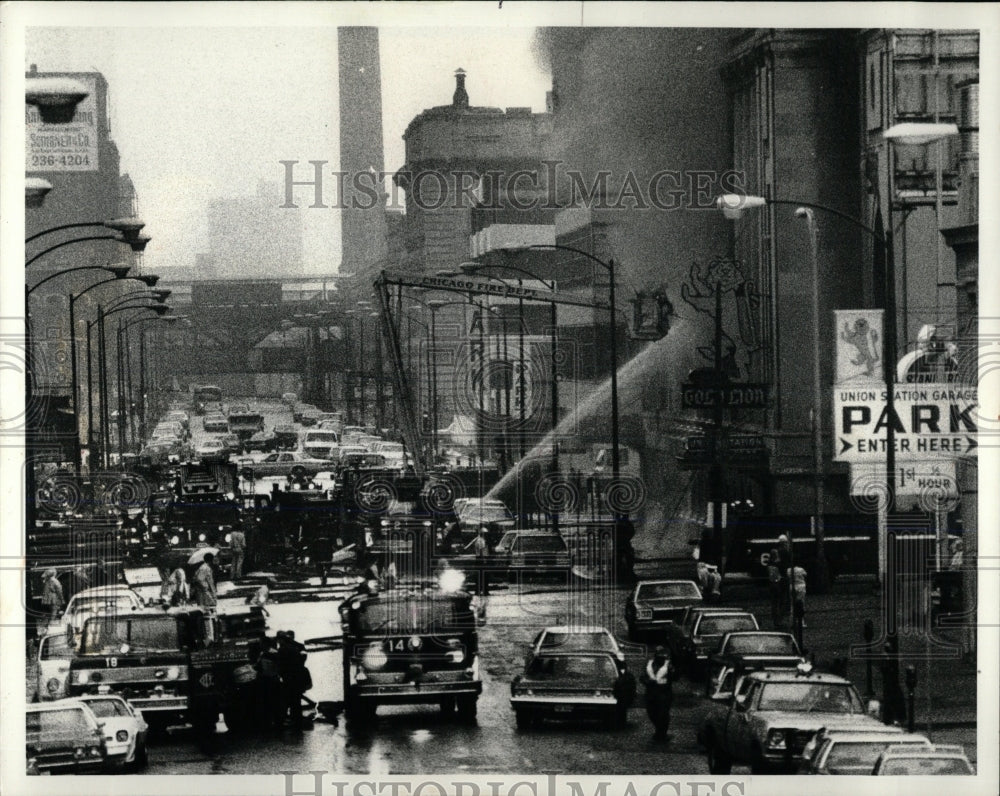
(461, 97)
(363, 231)
(968, 163)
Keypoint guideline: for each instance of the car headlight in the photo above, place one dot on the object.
(201, 537)
(154, 528)
(455, 656)
(374, 658)
(121, 736)
(229, 538)
(79, 752)
(53, 685)
(776, 739)
(82, 677)
(173, 672)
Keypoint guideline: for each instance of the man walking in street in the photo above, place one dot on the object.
(659, 678)
(294, 675)
(238, 544)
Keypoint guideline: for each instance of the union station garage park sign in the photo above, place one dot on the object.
(930, 421)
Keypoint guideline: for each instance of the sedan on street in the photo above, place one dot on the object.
(286, 463)
(656, 603)
(125, 729)
(572, 685)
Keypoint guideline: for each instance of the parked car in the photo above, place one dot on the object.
(707, 630)
(215, 423)
(237, 408)
(853, 752)
(178, 416)
(125, 730)
(54, 654)
(656, 603)
(572, 685)
(64, 737)
(286, 463)
(756, 649)
(289, 398)
(576, 638)
(915, 760)
(212, 450)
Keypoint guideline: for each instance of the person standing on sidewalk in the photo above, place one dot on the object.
(204, 583)
(893, 703)
(774, 587)
(797, 578)
(238, 544)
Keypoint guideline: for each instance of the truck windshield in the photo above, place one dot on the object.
(413, 616)
(105, 635)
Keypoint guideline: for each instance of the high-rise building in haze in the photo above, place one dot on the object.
(252, 236)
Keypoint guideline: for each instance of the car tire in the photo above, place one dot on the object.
(524, 719)
(758, 765)
(718, 761)
(632, 636)
(141, 759)
(447, 705)
(467, 709)
(619, 717)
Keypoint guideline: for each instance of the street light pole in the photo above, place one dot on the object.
(819, 476)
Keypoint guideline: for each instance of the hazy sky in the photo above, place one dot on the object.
(204, 112)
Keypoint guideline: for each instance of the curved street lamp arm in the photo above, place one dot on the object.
(67, 271)
(74, 240)
(62, 227)
(839, 213)
(104, 315)
(132, 295)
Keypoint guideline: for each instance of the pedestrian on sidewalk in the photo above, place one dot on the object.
(238, 544)
(797, 578)
(659, 677)
(774, 586)
(784, 562)
(52, 594)
(893, 703)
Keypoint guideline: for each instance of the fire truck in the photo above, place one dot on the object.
(172, 664)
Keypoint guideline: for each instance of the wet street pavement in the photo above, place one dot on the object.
(419, 740)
